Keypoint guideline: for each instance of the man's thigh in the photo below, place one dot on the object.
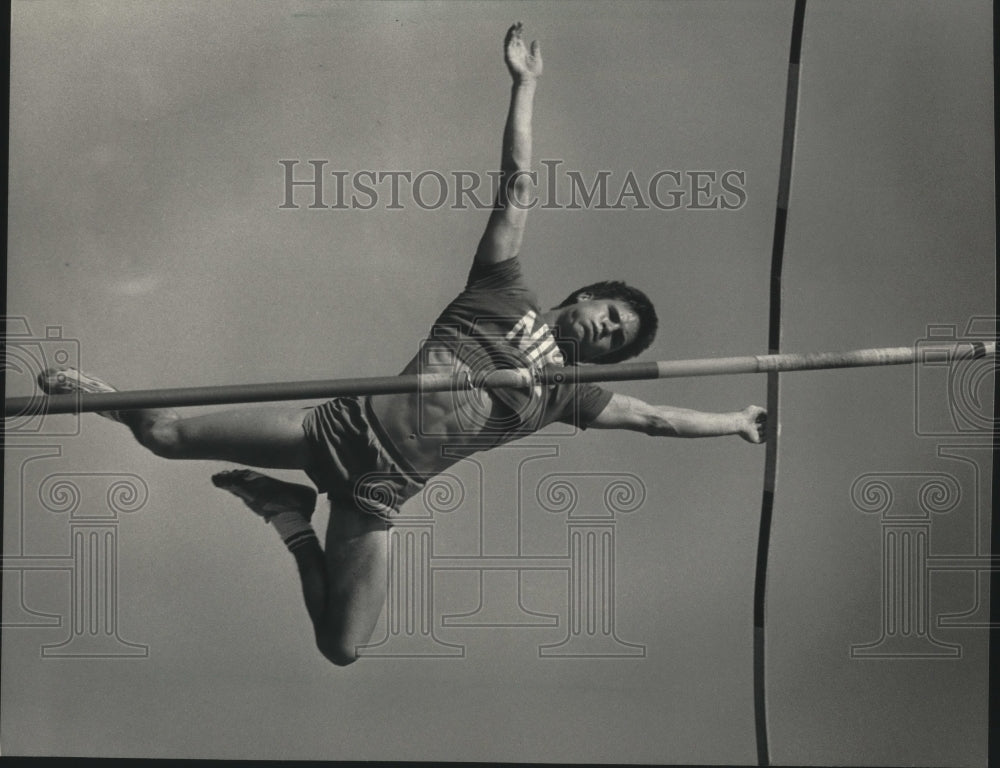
(269, 436)
(357, 544)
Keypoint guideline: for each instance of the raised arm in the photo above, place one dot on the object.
(624, 412)
(502, 238)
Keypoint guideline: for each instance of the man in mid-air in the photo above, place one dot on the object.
(371, 454)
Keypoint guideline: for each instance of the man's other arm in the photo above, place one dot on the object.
(624, 412)
(502, 238)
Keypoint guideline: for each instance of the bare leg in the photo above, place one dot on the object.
(357, 545)
(344, 588)
(260, 437)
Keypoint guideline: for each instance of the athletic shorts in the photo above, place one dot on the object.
(351, 464)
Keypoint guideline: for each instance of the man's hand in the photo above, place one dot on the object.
(754, 427)
(522, 64)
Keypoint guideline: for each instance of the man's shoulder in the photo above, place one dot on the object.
(497, 290)
(496, 276)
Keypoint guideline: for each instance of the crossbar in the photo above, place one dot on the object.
(496, 379)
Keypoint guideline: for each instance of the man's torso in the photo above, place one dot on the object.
(494, 323)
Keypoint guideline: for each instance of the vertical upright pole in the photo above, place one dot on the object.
(993, 740)
(774, 347)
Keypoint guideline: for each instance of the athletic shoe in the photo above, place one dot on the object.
(267, 496)
(70, 381)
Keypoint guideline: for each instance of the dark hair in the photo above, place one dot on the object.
(640, 304)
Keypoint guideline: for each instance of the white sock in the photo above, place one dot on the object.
(293, 528)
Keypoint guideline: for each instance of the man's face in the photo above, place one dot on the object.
(598, 326)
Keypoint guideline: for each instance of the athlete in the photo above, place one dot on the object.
(370, 454)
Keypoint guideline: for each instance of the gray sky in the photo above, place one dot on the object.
(144, 222)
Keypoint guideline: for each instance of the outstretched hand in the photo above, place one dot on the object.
(754, 428)
(522, 63)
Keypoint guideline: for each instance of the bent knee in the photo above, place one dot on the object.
(336, 651)
(164, 439)
(341, 659)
